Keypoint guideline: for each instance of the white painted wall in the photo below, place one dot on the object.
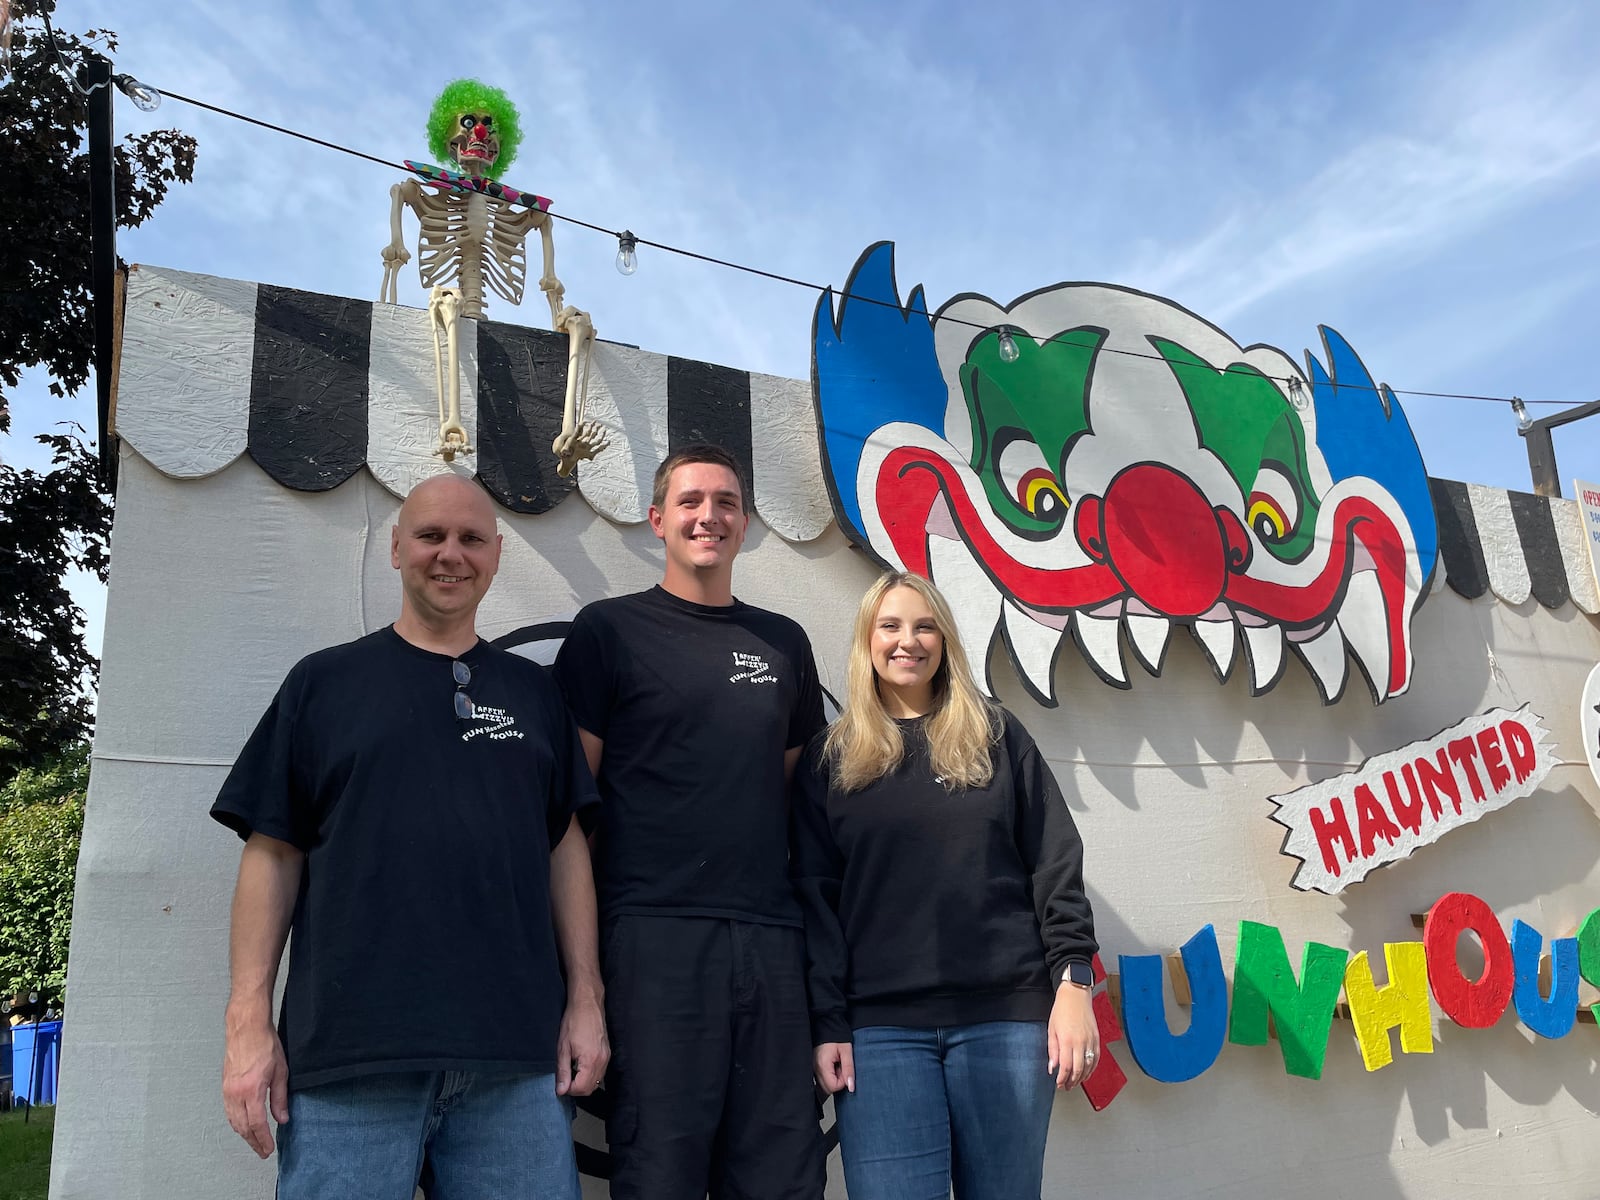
(219, 584)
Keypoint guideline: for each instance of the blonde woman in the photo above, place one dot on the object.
(948, 936)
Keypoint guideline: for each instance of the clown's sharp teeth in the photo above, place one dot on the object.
(1218, 640)
(1097, 638)
(1264, 645)
(1149, 636)
(973, 598)
(1324, 658)
(1364, 623)
(1033, 649)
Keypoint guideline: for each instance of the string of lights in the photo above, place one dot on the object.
(148, 98)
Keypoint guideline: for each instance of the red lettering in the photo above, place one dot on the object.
(1372, 821)
(1330, 830)
(1462, 752)
(1475, 1004)
(1410, 815)
(1494, 763)
(1108, 1078)
(1519, 745)
(1438, 780)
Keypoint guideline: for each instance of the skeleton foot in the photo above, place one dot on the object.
(586, 441)
(452, 441)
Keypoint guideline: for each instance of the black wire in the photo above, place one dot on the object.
(815, 287)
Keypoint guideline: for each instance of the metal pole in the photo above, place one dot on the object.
(96, 76)
(1542, 460)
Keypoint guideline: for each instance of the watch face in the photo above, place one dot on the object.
(1080, 973)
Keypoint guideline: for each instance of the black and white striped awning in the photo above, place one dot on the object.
(314, 388)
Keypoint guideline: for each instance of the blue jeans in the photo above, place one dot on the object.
(508, 1137)
(966, 1104)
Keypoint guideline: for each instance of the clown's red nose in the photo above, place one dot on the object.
(480, 132)
(1165, 541)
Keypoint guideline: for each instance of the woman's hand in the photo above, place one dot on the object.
(1074, 1038)
(835, 1066)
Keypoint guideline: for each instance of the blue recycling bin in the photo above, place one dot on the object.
(36, 1061)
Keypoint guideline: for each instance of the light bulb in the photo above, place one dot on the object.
(627, 252)
(1008, 347)
(1297, 393)
(1520, 411)
(145, 98)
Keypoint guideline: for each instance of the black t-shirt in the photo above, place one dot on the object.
(422, 936)
(696, 705)
(926, 906)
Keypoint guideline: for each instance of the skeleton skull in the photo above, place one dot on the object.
(476, 147)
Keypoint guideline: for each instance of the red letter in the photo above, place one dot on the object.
(1436, 780)
(1372, 821)
(1519, 744)
(1475, 1004)
(1463, 751)
(1107, 1077)
(1410, 815)
(1329, 830)
(1494, 763)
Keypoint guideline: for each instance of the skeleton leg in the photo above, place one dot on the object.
(578, 439)
(444, 313)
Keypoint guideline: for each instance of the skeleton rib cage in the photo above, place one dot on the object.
(454, 227)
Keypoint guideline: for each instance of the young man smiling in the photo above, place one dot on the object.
(693, 709)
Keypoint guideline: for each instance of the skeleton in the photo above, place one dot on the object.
(473, 236)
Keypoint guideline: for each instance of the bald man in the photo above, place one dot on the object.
(410, 808)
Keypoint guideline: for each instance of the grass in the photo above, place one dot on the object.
(25, 1154)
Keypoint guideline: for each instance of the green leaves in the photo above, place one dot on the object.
(41, 826)
(54, 521)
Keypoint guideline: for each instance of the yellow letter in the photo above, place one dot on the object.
(1403, 1001)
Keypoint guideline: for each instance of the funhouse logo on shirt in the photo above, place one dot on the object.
(497, 723)
(752, 668)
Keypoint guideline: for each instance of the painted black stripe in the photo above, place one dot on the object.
(1459, 544)
(308, 387)
(708, 403)
(522, 386)
(1536, 530)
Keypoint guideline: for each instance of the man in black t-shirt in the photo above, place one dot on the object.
(410, 806)
(693, 709)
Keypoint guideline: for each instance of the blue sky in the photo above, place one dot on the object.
(1423, 178)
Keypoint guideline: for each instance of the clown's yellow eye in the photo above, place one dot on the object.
(1273, 510)
(1042, 496)
(1028, 482)
(1266, 520)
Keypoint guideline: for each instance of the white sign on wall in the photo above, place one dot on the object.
(1588, 495)
(1345, 827)
(1589, 717)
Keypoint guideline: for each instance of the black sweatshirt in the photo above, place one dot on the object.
(928, 907)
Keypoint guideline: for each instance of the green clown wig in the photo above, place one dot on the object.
(470, 96)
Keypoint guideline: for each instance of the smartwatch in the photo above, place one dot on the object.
(1079, 974)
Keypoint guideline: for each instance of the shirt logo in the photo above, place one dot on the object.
(751, 667)
(497, 723)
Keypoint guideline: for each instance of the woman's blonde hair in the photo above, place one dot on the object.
(865, 744)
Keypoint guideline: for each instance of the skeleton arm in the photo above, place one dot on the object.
(578, 439)
(395, 254)
(548, 283)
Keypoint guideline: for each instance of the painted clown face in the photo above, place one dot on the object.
(475, 148)
(1100, 462)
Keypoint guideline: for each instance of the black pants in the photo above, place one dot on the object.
(711, 1061)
